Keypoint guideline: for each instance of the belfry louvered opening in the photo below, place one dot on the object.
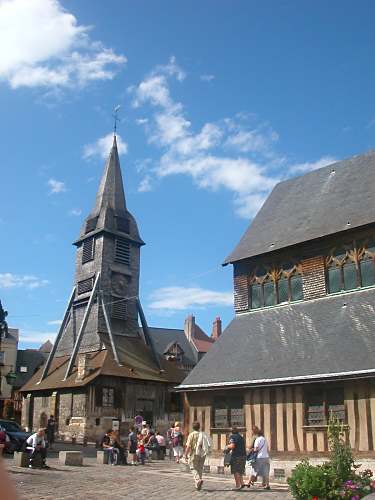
(88, 250)
(119, 309)
(85, 286)
(122, 251)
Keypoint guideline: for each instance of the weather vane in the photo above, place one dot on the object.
(116, 118)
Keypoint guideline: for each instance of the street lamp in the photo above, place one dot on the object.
(11, 378)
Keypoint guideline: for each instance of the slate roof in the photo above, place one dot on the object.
(316, 204)
(317, 339)
(30, 358)
(163, 337)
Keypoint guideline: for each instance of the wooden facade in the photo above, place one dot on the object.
(282, 413)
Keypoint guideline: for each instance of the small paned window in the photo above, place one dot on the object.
(228, 412)
(88, 250)
(256, 296)
(350, 275)
(323, 404)
(283, 286)
(122, 251)
(269, 293)
(334, 279)
(108, 397)
(276, 286)
(351, 268)
(367, 272)
(296, 290)
(23, 369)
(85, 286)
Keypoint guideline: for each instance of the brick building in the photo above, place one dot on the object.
(104, 366)
(302, 344)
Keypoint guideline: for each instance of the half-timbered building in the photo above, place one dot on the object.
(302, 344)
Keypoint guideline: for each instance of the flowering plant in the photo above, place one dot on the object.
(336, 479)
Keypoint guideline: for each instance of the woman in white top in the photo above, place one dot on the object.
(262, 463)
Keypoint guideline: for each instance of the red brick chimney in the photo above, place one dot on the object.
(189, 327)
(216, 328)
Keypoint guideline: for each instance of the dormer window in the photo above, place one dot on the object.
(174, 352)
(275, 286)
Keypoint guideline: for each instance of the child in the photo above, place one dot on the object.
(141, 451)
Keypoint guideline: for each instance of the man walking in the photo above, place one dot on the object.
(198, 446)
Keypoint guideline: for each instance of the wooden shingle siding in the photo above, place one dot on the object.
(313, 278)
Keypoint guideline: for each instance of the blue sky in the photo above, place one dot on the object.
(220, 100)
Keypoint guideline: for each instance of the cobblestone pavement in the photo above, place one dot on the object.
(160, 480)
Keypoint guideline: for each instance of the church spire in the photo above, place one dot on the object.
(111, 191)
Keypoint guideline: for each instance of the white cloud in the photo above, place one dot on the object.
(36, 337)
(55, 322)
(56, 186)
(145, 185)
(9, 280)
(103, 146)
(207, 78)
(176, 298)
(42, 45)
(237, 153)
(302, 168)
(204, 155)
(75, 212)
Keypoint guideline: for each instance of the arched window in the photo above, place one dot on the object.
(351, 266)
(275, 286)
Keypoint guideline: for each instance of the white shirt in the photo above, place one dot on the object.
(262, 447)
(34, 440)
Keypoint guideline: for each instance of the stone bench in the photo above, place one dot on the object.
(70, 458)
(102, 457)
(22, 459)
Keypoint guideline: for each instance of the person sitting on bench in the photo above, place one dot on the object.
(36, 444)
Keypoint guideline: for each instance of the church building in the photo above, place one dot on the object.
(301, 347)
(105, 368)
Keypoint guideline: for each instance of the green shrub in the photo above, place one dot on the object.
(335, 479)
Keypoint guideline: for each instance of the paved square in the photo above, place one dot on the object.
(92, 481)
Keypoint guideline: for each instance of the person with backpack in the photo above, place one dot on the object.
(198, 447)
(132, 445)
(177, 442)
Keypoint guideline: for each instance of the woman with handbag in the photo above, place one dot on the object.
(238, 457)
(261, 460)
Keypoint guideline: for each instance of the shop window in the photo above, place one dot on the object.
(323, 404)
(228, 412)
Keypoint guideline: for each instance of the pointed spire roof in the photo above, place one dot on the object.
(111, 190)
(110, 212)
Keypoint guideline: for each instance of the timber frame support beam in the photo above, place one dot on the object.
(147, 336)
(109, 329)
(59, 335)
(82, 327)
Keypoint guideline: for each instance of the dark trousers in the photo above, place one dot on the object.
(42, 452)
